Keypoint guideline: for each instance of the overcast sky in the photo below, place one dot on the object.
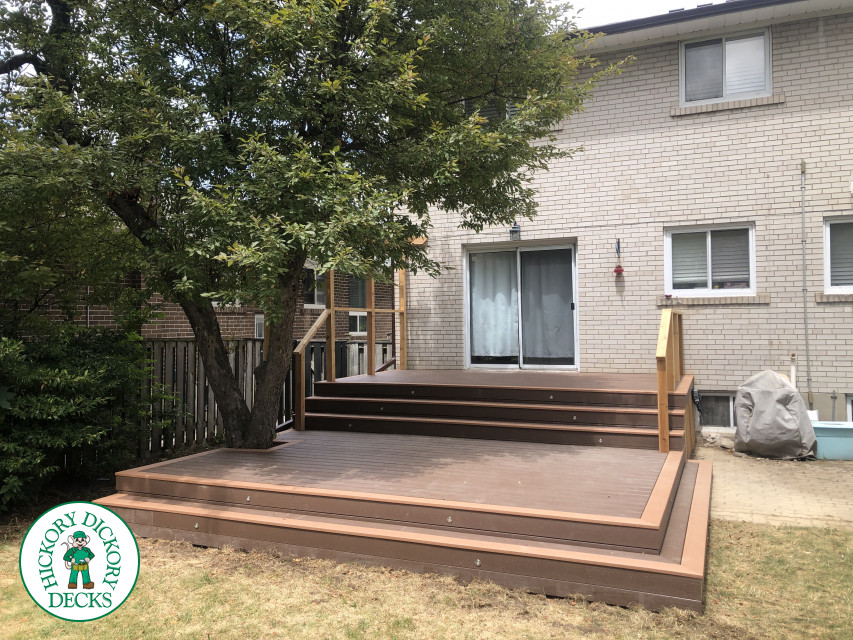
(600, 12)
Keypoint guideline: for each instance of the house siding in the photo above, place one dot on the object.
(649, 165)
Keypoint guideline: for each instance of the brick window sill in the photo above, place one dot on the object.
(829, 298)
(761, 298)
(727, 106)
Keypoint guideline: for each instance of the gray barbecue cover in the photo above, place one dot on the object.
(772, 420)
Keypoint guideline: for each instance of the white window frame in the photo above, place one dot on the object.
(827, 271)
(850, 407)
(259, 326)
(318, 279)
(359, 314)
(708, 292)
(768, 69)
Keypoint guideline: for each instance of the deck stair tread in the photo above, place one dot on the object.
(548, 426)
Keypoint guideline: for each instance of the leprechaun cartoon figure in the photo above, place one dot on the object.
(77, 559)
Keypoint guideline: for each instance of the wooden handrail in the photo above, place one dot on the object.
(299, 371)
(670, 369)
(300, 348)
(327, 317)
(386, 365)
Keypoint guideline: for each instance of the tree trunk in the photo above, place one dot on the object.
(214, 354)
(245, 429)
(270, 374)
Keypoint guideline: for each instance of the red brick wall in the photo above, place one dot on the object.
(239, 322)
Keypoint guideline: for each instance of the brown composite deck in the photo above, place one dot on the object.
(614, 482)
(546, 481)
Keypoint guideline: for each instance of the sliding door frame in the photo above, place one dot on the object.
(518, 249)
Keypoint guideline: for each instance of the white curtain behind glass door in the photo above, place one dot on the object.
(494, 305)
(547, 321)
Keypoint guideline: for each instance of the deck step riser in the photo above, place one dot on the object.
(492, 411)
(653, 581)
(450, 429)
(601, 535)
(609, 398)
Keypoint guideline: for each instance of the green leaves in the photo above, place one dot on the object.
(72, 396)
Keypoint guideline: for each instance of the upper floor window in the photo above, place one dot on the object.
(358, 300)
(718, 261)
(838, 255)
(313, 288)
(726, 68)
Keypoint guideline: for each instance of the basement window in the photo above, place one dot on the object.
(717, 410)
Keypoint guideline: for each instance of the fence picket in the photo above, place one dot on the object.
(190, 405)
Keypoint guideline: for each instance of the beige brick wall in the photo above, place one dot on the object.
(647, 166)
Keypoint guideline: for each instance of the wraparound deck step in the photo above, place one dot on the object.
(644, 533)
(553, 433)
(672, 578)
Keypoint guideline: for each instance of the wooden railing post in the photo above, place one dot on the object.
(401, 357)
(330, 326)
(371, 329)
(299, 390)
(663, 376)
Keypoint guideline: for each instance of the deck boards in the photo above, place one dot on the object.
(568, 478)
(514, 378)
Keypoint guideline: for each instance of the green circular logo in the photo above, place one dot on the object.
(79, 561)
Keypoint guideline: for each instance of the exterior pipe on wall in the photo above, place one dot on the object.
(805, 284)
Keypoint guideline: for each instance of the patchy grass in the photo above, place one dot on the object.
(764, 582)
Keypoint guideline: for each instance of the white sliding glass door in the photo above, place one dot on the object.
(521, 308)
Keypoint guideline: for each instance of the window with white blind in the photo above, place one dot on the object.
(718, 261)
(726, 68)
(259, 325)
(838, 255)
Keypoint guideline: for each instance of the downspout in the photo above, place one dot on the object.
(805, 285)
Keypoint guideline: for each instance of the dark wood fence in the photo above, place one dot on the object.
(182, 404)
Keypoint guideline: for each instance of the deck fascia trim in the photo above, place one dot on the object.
(664, 488)
(696, 540)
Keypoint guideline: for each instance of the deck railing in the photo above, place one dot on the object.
(327, 318)
(180, 405)
(670, 369)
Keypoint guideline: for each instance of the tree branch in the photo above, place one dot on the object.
(21, 60)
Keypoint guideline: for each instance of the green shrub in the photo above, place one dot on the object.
(69, 403)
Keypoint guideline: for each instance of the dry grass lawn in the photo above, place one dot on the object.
(763, 582)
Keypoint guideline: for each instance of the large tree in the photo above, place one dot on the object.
(236, 139)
